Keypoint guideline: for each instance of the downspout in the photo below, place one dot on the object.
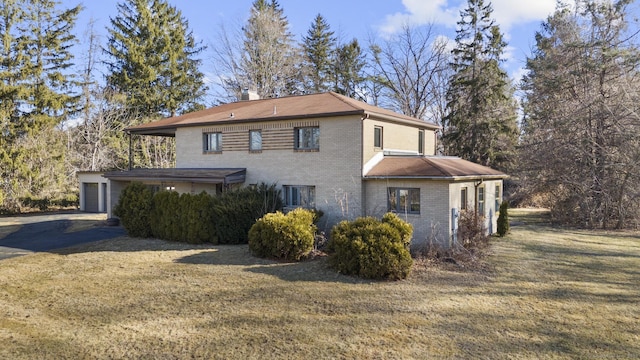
(477, 184)
(130, 151)
(363, 190)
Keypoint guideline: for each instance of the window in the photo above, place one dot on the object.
(481, 201)
(299, 196)
(377, 137)
(421, 142)
(404, 201)
(463, 198)
(255, 140)
(307, 138)
(212, 142)
(497, 205)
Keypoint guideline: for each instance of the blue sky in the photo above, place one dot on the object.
(518, 20)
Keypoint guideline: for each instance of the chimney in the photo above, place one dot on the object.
(249, 95)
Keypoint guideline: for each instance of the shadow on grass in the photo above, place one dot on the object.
(314, 270)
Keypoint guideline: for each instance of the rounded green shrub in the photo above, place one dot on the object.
(503, 219)
(283, 236)
(371, 248)
(134, 209)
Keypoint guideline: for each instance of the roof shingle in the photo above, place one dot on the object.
(284, 108)
(430, 167)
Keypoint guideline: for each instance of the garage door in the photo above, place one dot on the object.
(91, 197)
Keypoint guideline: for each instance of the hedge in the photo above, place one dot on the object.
(224, 219)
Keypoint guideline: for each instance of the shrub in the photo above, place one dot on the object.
(405, 229)
(288, 237)
(134, 209)
(503, 219)
(371, 248)
(471, 230)
(236, 211)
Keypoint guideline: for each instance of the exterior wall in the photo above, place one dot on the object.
(93, 178)
(433, 222)
(491, 211)
(335, 169)
(395, 137)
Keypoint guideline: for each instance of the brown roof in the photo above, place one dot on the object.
(284, 108)
(436, 167)
(212, 176)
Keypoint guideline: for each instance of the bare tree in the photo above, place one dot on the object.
(412, 67)
(581, 143)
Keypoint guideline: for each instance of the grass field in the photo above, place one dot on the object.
(544, 293)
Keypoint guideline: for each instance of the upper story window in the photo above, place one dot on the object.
(377, 137)
(212, 142)
(255, 140)
(307, 138)
(299, 196)
(421, 142)
(404, 200)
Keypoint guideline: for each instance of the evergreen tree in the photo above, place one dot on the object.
(267, 62)
(480, 124)
(35, 96)
(152, 60)
(348, 69)
(319, 46)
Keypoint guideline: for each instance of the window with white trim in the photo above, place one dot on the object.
(255, 140)
(421, 142)
(404, 200)
(463, 198)
(497, 204)
(481, 200)
(296, 196)
(212, 142)
(307, 138)
(377, 137)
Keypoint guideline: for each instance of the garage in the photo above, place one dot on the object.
(91, 200)
(93, 192)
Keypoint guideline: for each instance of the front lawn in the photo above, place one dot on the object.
(545, 293)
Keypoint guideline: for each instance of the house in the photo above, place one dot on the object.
(325, 151)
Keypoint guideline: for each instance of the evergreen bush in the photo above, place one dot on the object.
(283, 236)
(237, 210)
(503, 219)
(371, 248)
(134, 210)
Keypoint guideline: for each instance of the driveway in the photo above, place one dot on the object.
(38, 233)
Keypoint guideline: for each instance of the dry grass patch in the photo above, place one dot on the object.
(550, 293)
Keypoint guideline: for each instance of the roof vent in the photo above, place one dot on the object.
(249, 95)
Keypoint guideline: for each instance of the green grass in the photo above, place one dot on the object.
(547, 293)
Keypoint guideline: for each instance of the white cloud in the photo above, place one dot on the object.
(508, 12)
(447, 12)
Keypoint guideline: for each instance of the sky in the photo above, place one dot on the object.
(518, 20)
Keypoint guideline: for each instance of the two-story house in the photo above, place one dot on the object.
(325, 151)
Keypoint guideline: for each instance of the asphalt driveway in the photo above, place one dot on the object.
(39, 233)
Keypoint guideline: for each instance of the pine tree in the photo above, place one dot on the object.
(319, 47)
(348, 69)
(36, 95)
(152, 59)
(480, 124)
